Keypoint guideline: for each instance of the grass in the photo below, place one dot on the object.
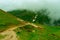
(28, 32)
(2, 36)
(47, 33)
(6, 20)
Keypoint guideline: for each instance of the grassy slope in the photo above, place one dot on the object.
(6, 20)
(23, 14)
(47, 33)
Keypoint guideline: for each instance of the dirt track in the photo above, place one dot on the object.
(11, 35)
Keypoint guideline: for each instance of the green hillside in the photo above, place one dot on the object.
(28, 32)
(40, 16)
(6, 20)
(23, 14)
(31, 33)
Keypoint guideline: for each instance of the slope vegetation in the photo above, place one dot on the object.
(7, 20)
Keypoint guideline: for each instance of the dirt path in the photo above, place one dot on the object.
(28, 23)
(11, 35)
(21, 25)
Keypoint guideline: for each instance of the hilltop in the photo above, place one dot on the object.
(7, 20)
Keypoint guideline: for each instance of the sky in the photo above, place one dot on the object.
(52, 5)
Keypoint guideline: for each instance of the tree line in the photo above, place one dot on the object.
(39, 16)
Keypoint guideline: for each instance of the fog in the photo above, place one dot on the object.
(52, 5)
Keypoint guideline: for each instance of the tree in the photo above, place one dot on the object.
(57, 22)
(43, 17)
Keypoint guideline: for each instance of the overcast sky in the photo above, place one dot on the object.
(52, 5)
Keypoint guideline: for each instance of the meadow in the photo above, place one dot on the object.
(29, 32)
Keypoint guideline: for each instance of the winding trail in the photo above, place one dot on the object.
(11, 35)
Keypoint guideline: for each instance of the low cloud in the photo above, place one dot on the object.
(52, 5)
